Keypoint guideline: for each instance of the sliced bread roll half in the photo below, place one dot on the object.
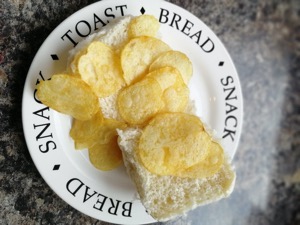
(166, 197)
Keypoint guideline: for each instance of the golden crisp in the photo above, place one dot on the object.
(140, 102)
(176, 98)
(175, 91)
(173, 142)
(96, 130)
(69, 95)
(108, 129)
(105, 157)
(144, 25)
(73, 67)
(100, 68)
(138, 54)
(177, 60)
(83, 132)
(207, 167)
(166, 76)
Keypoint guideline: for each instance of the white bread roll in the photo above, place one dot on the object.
(166, 197)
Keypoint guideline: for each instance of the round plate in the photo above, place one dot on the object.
(111, 196)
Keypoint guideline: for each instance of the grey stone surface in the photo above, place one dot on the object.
(263, 39)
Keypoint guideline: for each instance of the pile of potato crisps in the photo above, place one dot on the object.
(151, 83)
(177, 144)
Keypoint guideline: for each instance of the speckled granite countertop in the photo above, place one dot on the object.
(263, 38)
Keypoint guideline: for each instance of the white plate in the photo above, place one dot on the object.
(110, 196)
